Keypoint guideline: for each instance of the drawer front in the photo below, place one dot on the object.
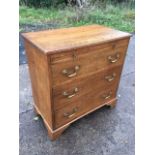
(86, 63)
(70, 55)
(67, 94)
(83, 105)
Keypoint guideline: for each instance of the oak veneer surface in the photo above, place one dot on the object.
(88, 64)
(85, 86)
(74, 71)
(85, 104)
(51, 41)
(39, 74)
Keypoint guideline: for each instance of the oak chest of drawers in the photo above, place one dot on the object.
(74, 71)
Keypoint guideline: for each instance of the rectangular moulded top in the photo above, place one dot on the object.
(57, 40)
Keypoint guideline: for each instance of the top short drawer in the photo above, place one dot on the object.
(85, 61)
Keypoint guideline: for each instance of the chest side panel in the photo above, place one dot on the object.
(40, 81)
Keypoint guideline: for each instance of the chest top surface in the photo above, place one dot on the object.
(57, 40)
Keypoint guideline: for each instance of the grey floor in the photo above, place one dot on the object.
(104, 132)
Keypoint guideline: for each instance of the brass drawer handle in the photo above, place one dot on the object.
(71, 72)
(114, 59)
(71, 114)
(110, 78)
(107, 96)
(70, 95)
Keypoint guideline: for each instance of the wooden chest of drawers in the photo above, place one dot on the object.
(74, 71)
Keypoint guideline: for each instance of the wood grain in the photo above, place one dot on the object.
(52, 41)
(83, 105)
(94, 60)
(68, 55)
(85, 85)
(41, 87)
